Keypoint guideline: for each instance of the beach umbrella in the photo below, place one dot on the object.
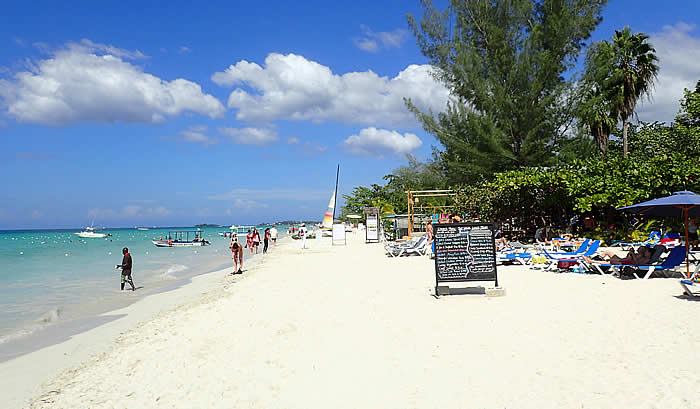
(683, 204)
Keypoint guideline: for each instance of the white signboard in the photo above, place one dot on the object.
(339, 233)
(372, 227)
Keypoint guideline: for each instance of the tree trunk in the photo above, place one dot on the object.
(624, 138)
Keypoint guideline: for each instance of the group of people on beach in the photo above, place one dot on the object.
(252, 242)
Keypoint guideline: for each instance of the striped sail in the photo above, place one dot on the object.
(328, 217)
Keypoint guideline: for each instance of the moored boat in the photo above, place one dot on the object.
(181, 239)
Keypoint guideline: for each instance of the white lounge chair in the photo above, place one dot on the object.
(419, 247)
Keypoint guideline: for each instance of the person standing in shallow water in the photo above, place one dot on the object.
(273, 235)
(249, 241)
(126, 269)
(236, 254)
(256, 239)
(266, 239)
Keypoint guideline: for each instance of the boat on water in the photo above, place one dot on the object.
(142, 228)
(90, 233)
(181, 239)
(239, 230)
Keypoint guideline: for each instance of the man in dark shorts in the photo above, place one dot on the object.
(126, 269)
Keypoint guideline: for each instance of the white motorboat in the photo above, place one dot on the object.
(239, 230)
(90, 233)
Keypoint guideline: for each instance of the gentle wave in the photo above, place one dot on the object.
(50, 317)
(170, 272)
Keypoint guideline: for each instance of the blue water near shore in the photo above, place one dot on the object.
(53, 276)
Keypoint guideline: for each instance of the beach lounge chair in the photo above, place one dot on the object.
(553, 259)
(671, 239)
(691, 287)
(420, 247)
(580, 250)
(675, 258)
(654, 238)
(521, 258)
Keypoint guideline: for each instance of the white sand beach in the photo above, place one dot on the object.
(348, 327)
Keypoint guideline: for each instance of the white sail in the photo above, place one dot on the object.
(328, 217)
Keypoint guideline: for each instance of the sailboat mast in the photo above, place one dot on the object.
(335, 200)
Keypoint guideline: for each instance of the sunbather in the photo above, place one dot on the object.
(502, 244)
(640, 257)
(568, 241)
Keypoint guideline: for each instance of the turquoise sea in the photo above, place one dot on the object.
(53, 277)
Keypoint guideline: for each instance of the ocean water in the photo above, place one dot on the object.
(53, 277)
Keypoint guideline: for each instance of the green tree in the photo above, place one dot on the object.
(504, 63)
(595, 113)
(627, 67)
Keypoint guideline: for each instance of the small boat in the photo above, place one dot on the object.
(90, 233)
(142, 228)
(181, 239)
(239, 230)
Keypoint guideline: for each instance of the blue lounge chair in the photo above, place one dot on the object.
(675, 258)
(689, 286)
(653, 239)
(580, 250)
(553, 259)
(522, 258)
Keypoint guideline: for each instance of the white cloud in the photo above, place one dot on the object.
(185, 50)
(92, 82)
(292, 140)
(367, 44)
(371, 40)
(272, 194)
(294, 88)
(678, 49)
(129, 212)
(248, 204)
(377, 142)
(250, 136)
(86, 46)
(197, 134)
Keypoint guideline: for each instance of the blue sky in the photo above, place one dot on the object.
(232, 112)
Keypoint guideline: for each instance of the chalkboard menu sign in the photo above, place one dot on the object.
(465, 252)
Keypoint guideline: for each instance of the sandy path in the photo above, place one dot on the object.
(347, 327)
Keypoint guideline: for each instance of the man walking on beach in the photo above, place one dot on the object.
(236, 254)
(126, 269)
(302, 235)
(273, 235)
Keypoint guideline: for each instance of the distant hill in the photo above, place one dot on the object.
(207, 225)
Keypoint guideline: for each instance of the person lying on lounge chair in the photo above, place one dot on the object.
(568, 241)
(640, 257)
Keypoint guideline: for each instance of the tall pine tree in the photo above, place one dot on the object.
(504, 62)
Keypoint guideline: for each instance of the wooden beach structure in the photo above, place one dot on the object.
(417, 203)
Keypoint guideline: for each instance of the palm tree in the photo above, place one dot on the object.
(596, 115)
(633, 71)
(596, 110)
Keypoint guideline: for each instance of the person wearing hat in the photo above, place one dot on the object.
(126, 269)
(303, 233)
(236, 254)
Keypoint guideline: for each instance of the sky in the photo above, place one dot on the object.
(127, 114)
